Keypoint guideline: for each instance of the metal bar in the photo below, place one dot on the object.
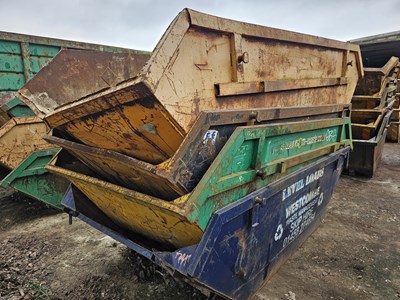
(385, 123)
(220, 24)
(26, 61)
(16, 37)
(236, 51)
(243, 88)
(345, 62)
(390, 65)
(285, 128)
(273, 167)
(307, 156)
(365, 97)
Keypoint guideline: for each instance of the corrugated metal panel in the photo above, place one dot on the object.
(376, 50)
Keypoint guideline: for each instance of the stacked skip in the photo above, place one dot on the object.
(393, 134)
(376, 51)
(220, 154)
(23, 152)
(374, 115)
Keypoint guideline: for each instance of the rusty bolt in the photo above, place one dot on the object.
(244, 58)
(252, 118)
(253, 115)
(261, 174)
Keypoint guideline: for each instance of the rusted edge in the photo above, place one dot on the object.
(4, 99)
(18, 121)
(144, 199)
(365, 97)
(390, 65)
(221, 24)
(40, 40)
(206, 119)
(103, 152)
(121, 158)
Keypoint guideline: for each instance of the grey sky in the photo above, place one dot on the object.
(139, 24)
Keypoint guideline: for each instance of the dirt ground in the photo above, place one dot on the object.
(354, 253)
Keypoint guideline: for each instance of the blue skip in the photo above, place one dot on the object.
(245, 242)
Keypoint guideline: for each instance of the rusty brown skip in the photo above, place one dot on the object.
(208, 63)
(375, 79)
(375, 95)
(393, 134)
(19, 138)
(85, 71)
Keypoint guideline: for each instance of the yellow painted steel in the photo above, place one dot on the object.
(133, 130)
(19, 137)
(124, 170)
(152, 217)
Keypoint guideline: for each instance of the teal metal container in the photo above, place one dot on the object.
(22, 56)
(32, 179)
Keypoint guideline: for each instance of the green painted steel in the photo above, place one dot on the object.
(32, 179)
(11, 63)
(7, 47)
(17, 109)
(255, 156)
(11, 82)
(22, 56)
(38, 63)
(43, 50)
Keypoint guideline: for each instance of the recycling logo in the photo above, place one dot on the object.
(320, 199)
(278, 233)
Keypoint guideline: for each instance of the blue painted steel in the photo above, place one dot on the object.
(246, 241)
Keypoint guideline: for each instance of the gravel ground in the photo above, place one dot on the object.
(354, 253)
